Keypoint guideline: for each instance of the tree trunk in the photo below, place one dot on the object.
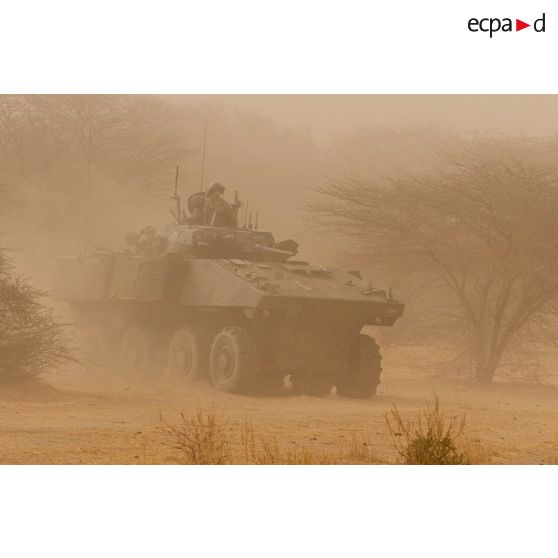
(485, 364)
(485, 374)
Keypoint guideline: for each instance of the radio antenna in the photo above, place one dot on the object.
(176, 198)
(246, 213)
(203, 156)
(88, 186)
(176, 181)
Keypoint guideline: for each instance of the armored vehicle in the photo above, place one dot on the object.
(227, 304)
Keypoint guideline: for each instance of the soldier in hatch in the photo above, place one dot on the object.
(196, 205)
(147, 242)
(217, 211)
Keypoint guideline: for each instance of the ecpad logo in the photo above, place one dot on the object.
(493, 25)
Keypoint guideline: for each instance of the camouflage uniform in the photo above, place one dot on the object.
(218, 212)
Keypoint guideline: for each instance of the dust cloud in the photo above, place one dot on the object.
(79, 172)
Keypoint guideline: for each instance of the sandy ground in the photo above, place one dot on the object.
(75, 418)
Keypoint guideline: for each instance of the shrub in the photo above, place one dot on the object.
(429, 440)
(32, 341)
(200, 439)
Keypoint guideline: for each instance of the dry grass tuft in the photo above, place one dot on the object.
(202, 438)
(430, 439)
(475, 451)
(199, 438)
(268, 451)
(358, 452)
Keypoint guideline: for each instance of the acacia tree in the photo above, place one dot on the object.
(133, 137)
(32, 341)
(483, 230)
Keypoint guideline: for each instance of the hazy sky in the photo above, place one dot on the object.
(326, 114)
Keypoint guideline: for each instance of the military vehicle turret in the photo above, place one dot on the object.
(228, 304)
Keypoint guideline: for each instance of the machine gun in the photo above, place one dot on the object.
(274, 253)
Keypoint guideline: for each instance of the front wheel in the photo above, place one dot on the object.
(235, 362)
(362, 371)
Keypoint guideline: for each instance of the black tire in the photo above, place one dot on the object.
(136, 355)
(362, 373)
(235, 364)
(186, 356)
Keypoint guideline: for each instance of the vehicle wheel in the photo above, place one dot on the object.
(185, 357)
(314, 385)
(94, 344)
(136, 355)
(234, 361)
(362, 374)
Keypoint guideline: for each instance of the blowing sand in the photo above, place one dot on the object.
(75, 418)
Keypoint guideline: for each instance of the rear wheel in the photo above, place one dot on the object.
(94, 345)
(185, 358)
(235, 362)
(136, 355)
(363, 369)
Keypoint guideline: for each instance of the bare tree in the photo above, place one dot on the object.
(134, 137)
(482, 231)
(32, 341)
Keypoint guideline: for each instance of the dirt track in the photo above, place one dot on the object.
(75, 420)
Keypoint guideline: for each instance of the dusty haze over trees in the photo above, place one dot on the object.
(136, 141)
(468, 244)
(478, 237)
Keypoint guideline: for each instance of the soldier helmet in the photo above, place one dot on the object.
(216, 187)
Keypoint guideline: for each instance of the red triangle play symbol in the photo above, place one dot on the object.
(519, 25)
